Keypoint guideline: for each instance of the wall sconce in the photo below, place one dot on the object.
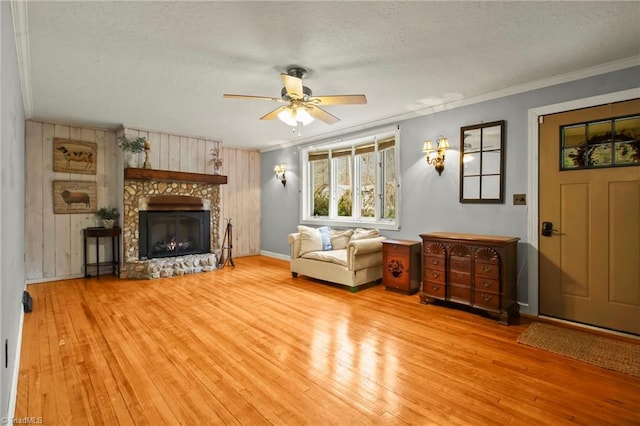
(436, 156)
(280, 169)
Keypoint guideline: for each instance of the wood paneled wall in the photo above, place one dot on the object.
(54, 243)
(240, 199)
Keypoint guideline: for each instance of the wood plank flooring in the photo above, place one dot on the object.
(251, 345)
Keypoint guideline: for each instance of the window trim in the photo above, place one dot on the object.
(358, 140)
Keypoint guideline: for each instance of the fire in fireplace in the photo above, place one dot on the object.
(173, 233)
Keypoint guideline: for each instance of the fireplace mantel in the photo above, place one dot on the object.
(171, 176)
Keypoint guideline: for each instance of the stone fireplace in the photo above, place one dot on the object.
(170, 223)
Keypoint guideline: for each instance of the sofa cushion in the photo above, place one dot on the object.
(325, 233)
(310, 239)
(339, 257)
(340, 239)
(362, 234)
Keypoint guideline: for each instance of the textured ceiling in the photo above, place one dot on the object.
(165, 65)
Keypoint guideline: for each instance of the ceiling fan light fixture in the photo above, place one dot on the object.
(293, 116)
(304, 117)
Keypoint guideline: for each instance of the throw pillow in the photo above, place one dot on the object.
(325, 233)
(340, 239)
(310, 239)
(362, 234)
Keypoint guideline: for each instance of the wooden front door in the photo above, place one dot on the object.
(590, 256)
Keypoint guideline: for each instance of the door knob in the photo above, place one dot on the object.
(547, 229)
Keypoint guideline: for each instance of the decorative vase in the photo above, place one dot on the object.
(132, 160)
(108, 223)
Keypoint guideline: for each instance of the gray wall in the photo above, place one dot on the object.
(12, 277)
(430, 202)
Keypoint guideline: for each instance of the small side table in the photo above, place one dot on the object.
(114, 263)
(401, 265)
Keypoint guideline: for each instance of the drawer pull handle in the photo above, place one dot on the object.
(435, 287)
(435, 274)
(486, 268)
(487, 297)
(434, 261)
(486, 284)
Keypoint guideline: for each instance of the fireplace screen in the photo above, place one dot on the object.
(174, 233)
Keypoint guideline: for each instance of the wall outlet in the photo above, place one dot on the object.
(519, 199)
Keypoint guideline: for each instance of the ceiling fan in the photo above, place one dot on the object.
(301, 106)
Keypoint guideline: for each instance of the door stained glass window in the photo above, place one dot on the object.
(603, 143)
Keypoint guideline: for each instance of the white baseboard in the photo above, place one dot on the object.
(274, 255)
(13, 395)
(49, 279)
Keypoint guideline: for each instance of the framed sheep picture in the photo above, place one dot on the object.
(73, 196)
(70, 156)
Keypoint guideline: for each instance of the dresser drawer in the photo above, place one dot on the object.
(487, 284)
(460, 264)
(434, 262)
(434, 275)
(462, 278)
(434, 289)
(487, 300)
(397, 249)
(491, 270)
(460, 294)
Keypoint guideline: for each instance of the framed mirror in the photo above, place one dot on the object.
(482, 163)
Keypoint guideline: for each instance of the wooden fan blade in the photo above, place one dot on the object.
(260, 98)
(321, 114)
(293, 85)
(339, 99)
(273, 114)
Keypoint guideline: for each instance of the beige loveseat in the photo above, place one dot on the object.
(351, 257)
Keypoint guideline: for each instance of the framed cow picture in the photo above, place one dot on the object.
(74, 196)
(71, 156)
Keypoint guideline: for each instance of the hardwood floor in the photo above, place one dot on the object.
(252, 345)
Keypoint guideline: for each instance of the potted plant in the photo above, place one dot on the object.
(132, 147)
(109, 215)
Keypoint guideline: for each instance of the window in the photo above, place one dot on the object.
(605, 143)
(352, 183)
(319, 178)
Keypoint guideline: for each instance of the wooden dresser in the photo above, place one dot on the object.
(401, 265)
(474, 270)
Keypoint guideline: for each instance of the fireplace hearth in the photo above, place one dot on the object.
(173, 233)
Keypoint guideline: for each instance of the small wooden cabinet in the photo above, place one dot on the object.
(474, 270)
(401, 265)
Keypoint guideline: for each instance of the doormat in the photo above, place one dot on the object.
(602, 351)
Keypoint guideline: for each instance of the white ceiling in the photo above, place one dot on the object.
(165, 65)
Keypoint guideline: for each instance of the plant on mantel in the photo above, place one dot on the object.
(133, 147)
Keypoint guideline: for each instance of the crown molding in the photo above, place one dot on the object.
(19, 15)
